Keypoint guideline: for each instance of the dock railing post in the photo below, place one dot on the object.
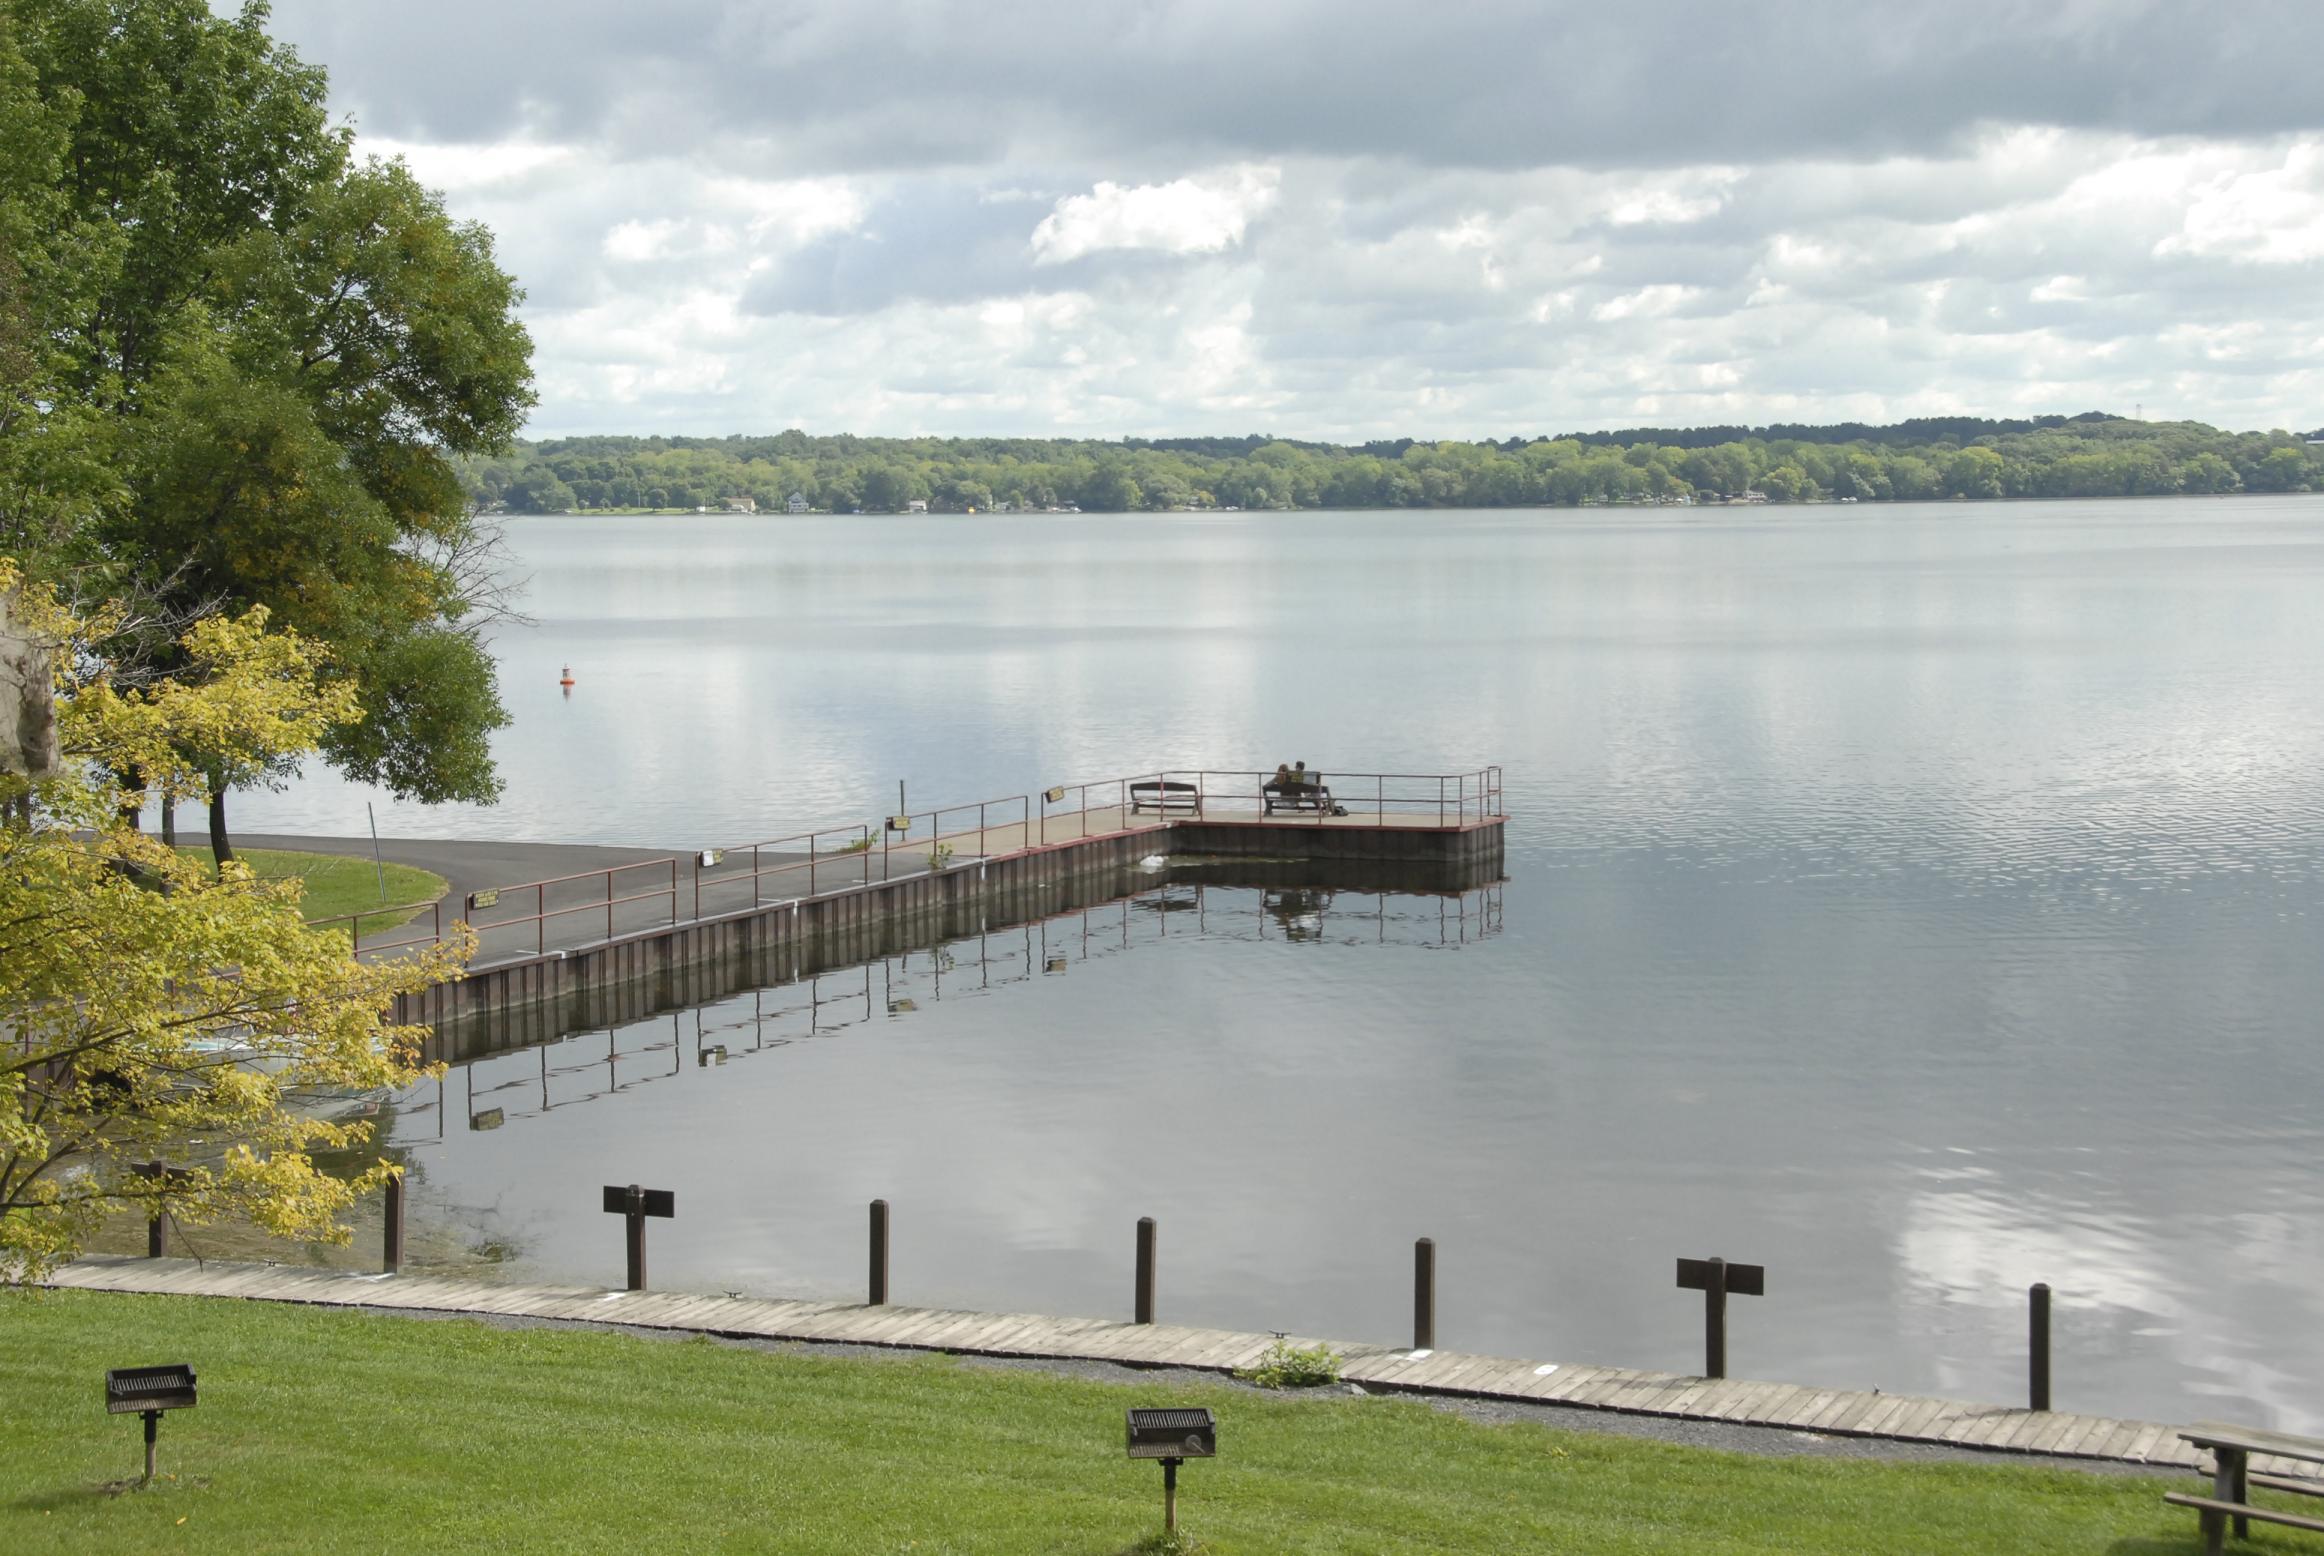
(391, 1224)
(1145, 1289)
(2038, 1346)
(1424, 1294)
(879, 1253)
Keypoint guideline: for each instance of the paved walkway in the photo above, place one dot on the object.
(1835, 1412)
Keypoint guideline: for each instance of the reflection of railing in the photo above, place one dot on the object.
(1450, 800)
(579, 1066)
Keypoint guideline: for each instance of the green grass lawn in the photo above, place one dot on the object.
(339, 884)
(322, 1431)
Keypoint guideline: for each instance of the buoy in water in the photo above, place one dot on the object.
(565, 678)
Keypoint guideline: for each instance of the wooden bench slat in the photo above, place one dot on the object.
(2218, 1434)
(2244, 1510)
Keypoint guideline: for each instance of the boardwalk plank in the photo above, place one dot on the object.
(1800, 1407)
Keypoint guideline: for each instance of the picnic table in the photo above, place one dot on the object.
(2232, 1479)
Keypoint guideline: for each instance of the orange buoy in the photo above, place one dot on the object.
(566, 678)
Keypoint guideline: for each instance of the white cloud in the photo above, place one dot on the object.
(1199, 215)
(2268, 215)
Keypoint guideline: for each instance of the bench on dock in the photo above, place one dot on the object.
(1295, 796)
(2231, 1481)
(1165, 794)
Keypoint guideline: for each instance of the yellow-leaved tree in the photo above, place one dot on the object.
(150, 1010)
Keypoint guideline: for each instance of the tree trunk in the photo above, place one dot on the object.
(169, 821)
(132, 807)
(219, 844)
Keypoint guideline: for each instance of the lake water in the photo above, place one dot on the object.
(1921, 902)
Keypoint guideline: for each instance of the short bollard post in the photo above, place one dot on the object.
(1145, 1293)
(156, 1222)
(391, 1224)
(1424, 1294)
(1715, 1278)
(879, 1253)
(2038, 1346)
(635, 1204)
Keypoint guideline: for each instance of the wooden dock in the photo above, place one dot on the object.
(1804, 1408)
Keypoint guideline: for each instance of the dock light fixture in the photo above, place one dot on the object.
(148, 1391)
(1173, 1436)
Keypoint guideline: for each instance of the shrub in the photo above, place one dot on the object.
(1287, 1366)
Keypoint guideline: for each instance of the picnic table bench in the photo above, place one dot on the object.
(1310, 795)
(2232, 1479)
(1165, 794)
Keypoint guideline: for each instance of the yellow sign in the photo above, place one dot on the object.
(899, 823)
(483, 899)
(1054, 795)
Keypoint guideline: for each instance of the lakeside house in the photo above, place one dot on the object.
(797, 504)
(742, 505)
(917, 505)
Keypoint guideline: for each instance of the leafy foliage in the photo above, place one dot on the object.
(2097, 456)
(151, 1009)
(236, 364)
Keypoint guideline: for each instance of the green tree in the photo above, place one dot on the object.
(290, 348)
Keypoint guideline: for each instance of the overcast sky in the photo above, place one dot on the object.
(1349, 219)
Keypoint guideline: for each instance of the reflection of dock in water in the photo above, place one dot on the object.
(556, 1055)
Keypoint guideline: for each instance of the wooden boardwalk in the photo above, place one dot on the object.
(1835, 1412)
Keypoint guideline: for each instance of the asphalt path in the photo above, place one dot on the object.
(647, 888)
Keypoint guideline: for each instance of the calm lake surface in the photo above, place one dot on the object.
(1922, 902)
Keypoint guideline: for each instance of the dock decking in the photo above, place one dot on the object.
(1831, 1412)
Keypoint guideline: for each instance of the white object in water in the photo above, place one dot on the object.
(1154, 861)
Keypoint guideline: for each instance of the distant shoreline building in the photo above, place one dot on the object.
(797, 504)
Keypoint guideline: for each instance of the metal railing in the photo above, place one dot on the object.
(1107, 805)
(688, 888)
(654, 893)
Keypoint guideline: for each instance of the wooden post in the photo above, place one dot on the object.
(1424, 1294)
(1145, 1292)
(391, 1230)
(1715, 1321)
(879, 1253)
(637, 1238)
(1169, 1496)
(156, 1229)
(2038, 1346)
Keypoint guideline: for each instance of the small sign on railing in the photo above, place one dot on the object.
(483, 899)
(1053, 795)
(899, 823)
(712, 856)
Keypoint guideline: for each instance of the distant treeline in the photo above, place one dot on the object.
(1927, 458)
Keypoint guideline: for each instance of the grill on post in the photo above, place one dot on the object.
(1173, 1436)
